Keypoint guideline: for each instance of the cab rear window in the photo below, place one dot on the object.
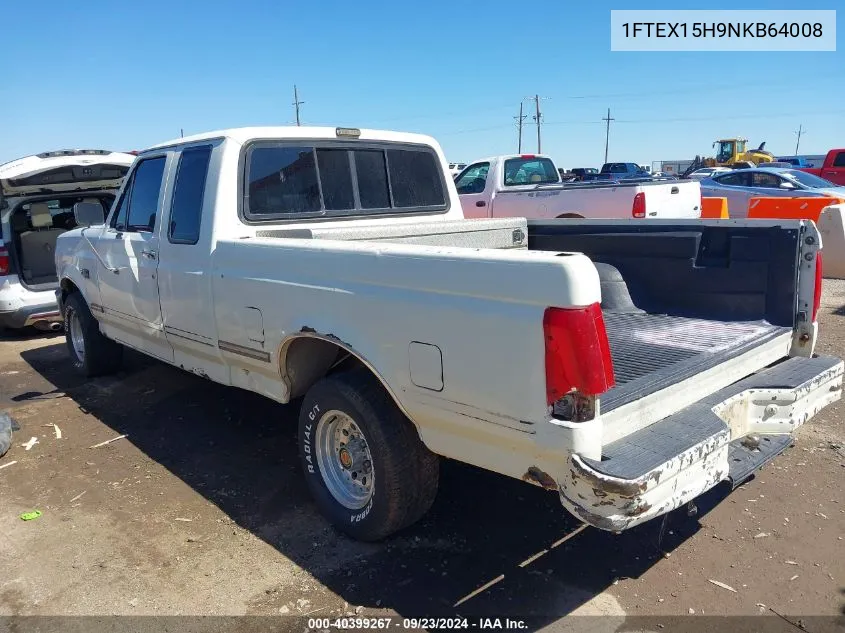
(530, 170)
(346, 179)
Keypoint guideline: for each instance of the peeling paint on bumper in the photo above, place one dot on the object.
(616, 504)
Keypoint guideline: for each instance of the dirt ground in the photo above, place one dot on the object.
(202, 510)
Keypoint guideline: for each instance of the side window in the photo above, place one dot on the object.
(186, 207)
(839, 161)
(143, 200)
(764, 179)
(474, 179)
(118, 220)
(737, 180)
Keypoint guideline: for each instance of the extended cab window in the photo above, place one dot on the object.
(186, 207)
(340, 179)
(530, 171)
(839, 161)
(143, 199)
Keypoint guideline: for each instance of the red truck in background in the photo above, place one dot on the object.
(832, 169)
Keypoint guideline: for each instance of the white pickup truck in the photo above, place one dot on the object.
(529, 186)
(335, 265)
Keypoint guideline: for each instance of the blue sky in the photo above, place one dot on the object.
(128, 75)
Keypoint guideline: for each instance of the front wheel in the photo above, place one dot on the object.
(366, 467)
(91, 353)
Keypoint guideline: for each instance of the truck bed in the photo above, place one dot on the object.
(690, 308)
(654, 351)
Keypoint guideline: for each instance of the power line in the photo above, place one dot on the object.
(296, 103)
(798, 142)
(698, 88)
(755, 115)
(607, 133)
(727, 119)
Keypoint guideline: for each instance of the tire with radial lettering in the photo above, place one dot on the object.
(364, 462)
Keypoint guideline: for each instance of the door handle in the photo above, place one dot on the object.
(148, 254)
(481, 203)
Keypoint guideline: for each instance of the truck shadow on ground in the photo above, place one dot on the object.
(239, 451)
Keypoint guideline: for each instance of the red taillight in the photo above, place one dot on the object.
(4, 261)
(527, 156)
(577, 352)
(817, 296)
(638, 208)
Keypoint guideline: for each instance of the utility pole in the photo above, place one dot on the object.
(798, 142)
(296, 103)
(537, 116)
(181, 133)
(607, 133)
(519, 121)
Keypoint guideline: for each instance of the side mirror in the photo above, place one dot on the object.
(786, 185)
(88, 213)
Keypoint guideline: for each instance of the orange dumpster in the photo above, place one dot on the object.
(789, 208)
(714, 208)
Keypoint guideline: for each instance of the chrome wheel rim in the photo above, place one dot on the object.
(344, 458)
(77, 340)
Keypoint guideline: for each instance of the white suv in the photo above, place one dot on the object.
(37, 197)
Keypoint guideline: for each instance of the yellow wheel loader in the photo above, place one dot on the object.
(731, 151)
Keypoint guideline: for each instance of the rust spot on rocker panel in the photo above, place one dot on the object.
(537, 476)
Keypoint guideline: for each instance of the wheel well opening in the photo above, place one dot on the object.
(68, 287)
(307, 359)
(570, 215)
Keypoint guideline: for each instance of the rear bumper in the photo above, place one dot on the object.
(726, 436)
(30, 315)
(20, 307)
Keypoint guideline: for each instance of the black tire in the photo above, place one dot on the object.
(405, 471)
(102, 355)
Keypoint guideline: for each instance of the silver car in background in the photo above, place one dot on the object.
(38, 195)
(708, 172)
(740, 185)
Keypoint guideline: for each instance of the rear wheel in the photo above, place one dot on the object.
(91, 353)
(366, 467)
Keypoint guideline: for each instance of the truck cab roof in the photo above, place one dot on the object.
(244, 135)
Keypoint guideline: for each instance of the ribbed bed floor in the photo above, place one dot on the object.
(652, 351)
